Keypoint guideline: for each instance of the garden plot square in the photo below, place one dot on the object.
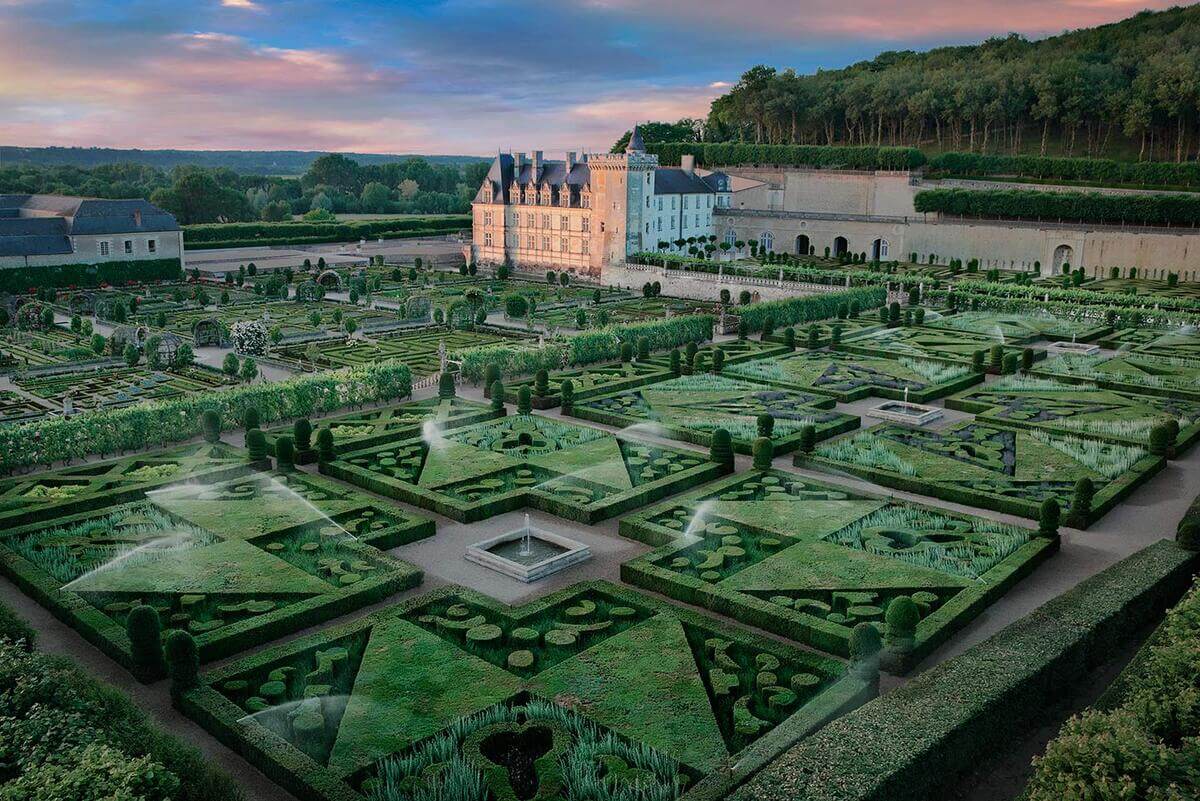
(809, 561)
(1178, 343)
(419, 350)
(735, 350)
(15, 407)
(1078, 410)
(589, 382)
(923, 342)
(120, 386)
(692, 407)
(593, 686)
(1019, 329)
(849, 377)
(990, 466)
(850, 326)
(572, 471)
(234, 562)
(21, 349)
(1141, 373)
(359, 430)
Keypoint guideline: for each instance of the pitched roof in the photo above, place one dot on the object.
(504, 172)
(636, 145)
(674, 181)
(40, 225)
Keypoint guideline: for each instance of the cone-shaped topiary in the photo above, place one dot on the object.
(210, 423)
(567, 392)
(721, 450)
(145, 638)
(789, 338)
(643, 348)
(446, 389)
(285, 454)
(183, 661)
(1048, 519)
(977, 361)
(325, 451)
(676, 368)
(808, 439)
(766, 424)
(901, 618)
(302, 434)
(541, 383)
(764, 453)
(718, 360)
(864, 651)
(491, 374)
(814, 337)
(256, 445)
(997, 357)
(524, 400)
(497, 396)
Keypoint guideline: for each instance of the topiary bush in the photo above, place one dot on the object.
(497, 396)
(1161, 439)
(1081, 503)
(865, 645)
(718, 363)
(901, 621)
(626, 352)
(789, 338)
(250, 418)
(566, 392)
(256, 444)
(302, 434)
(183, 661)
(491, 374)
(446, 389)
(145, 639)
(676, 369)
(210, 423)
(1048, 519)
(766, 424)
(325, 452)
(524, 401)
(285, 454)
(764, 453)
(721, 449)
(541, 383)
(814, 337)
(643, 348)
(808, 439)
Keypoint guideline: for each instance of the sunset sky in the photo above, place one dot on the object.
(438, 76)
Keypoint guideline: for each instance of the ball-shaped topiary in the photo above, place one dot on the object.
(256, 445)
(145, 638)
(497, 393)
(524, 400)
(446, 389)
(764, 453)
(566, 392)
(901, 621)
(721, 449)
(285, 454)
(210, 425)
(183, 661)
(325, 452)
(302, 434)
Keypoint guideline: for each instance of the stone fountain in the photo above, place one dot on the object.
(528, 554)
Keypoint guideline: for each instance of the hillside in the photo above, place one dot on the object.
(245, 162)
(1130, 89)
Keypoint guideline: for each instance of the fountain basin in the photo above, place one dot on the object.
(528, 554)
(917, 414)
(1072, 349)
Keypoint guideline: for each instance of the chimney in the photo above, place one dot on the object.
(537, 164)
(570, 161)
(687, 163)
(137, 217)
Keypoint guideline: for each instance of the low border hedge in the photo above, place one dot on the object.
(913, 742)
(116, 273)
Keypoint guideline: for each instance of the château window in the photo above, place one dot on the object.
(128, 246)
(104, 246)
(587, 224)
(487, 239)
(564, 223)
(545, 220)
(545, 243)
(562, 246)
(730, 237)
(766, 241)
(152, 245)
(587, 248)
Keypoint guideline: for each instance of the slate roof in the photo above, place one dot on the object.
(504, 172)
(41, 225)
(675, 181)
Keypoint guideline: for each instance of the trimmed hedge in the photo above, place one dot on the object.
(116, 273)
(599, 345)
(16, 629)
(1108, 171)
(67, 715)
(808, 308)
(312, 240)
(1093, 207)
(911, 743)
(136, 427)
(316, 231)
(839, 157)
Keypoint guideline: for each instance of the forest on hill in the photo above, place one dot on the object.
(1127, 90)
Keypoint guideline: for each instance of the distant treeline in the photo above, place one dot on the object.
(333, 184)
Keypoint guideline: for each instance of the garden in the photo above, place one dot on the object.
(1129, 371)
(924, 342)
(593, 692)
(118, 386)
(692, 407)
(420, 350)
(232, 561)
(1175, 343)
(1007, 470)
(810, 561)
(1018, 328)
(480, 470)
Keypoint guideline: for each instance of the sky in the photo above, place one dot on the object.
(439, 76)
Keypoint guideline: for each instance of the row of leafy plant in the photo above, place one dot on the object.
(1108, 171)
(1093, 207)
(66, 735)
(824, 156)
(597, 345)
(140, 426)
(808, 308)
